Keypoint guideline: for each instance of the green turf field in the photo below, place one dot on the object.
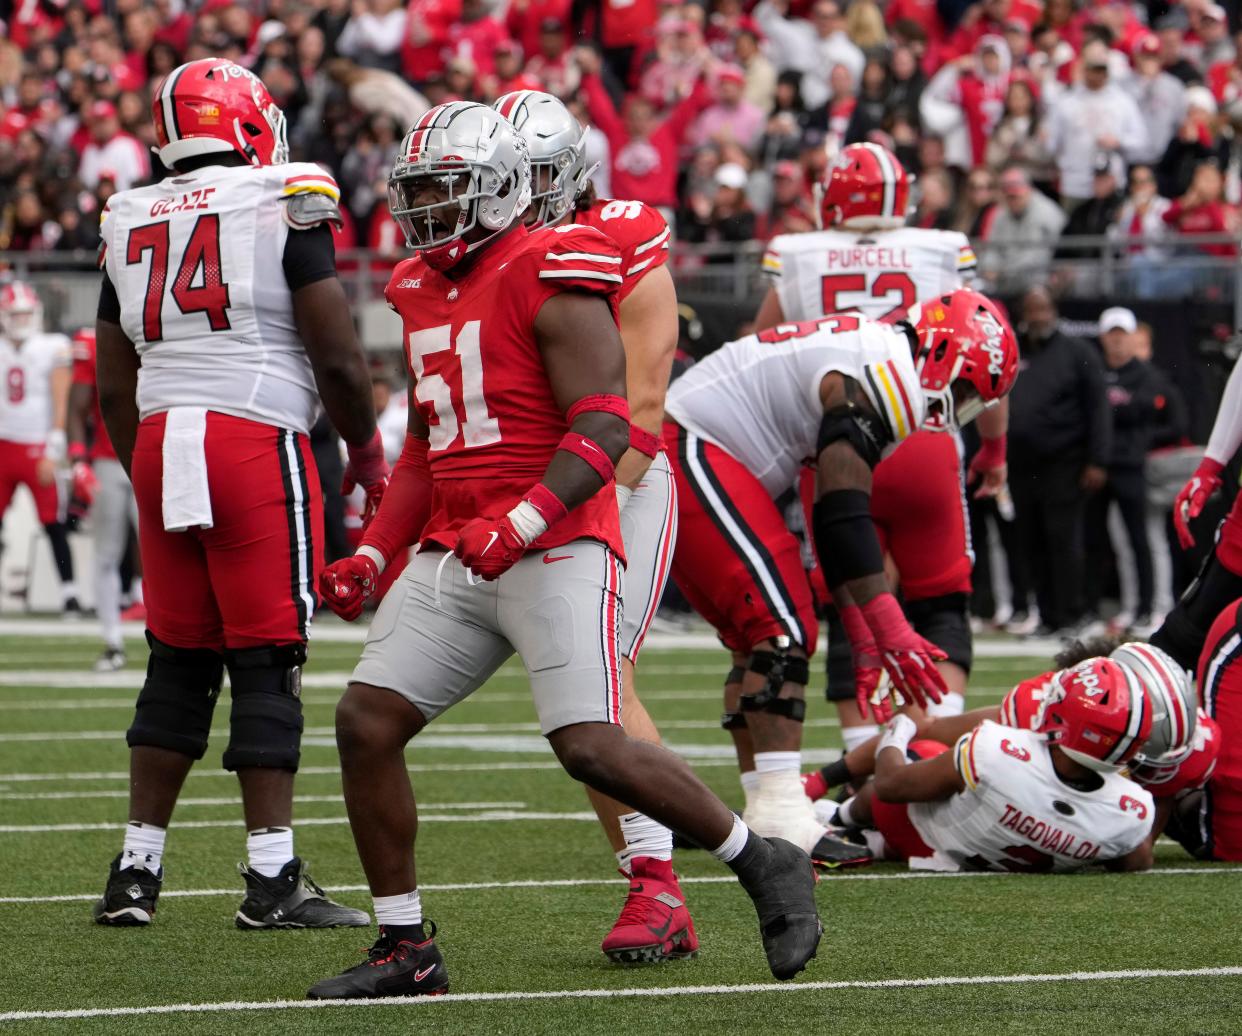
(520, 881)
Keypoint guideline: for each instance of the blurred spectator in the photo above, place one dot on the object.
(553, 62)
(906, 82)
(1019, 138)
(1201, 211)
(424, 44)
(935, 208)
(680, 55)
(1095, 216)
(1059, 447)
(1161, 98)
(1139, 228)
(988, 18)
(475, 35)
(731, 117)
(977, 206)
(508, 75)
(373, 34)
(1095, 115)
(810, 47)
(722, 218)
(1196, 142)
(965, 100)
(1171, 28)
(112, 152)
(760, 72)
(1136, 399)
(864, 25)
(644, 147)
(1024, 231)
(1212, 43)
(24, 226)
(840, 109)
(1225, 77)
(528, 21)
(871, 109)
(790, 211)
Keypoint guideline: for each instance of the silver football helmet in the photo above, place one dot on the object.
(557, 153)
(1174, 703)
(475, 167)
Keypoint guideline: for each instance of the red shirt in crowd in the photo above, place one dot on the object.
(526, 16)
(431, 21)
(1209, 218)
(477, 41)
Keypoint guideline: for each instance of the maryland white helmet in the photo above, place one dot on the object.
(557, 152)
(477, 161)
(1174, 702)
(21, 312)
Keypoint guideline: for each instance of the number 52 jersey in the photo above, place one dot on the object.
(198, 264)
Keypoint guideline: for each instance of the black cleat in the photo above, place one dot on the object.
(292, 900)
(784, 896)
(833, 852)
(130, 896)
(394, 967)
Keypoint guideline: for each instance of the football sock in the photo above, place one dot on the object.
(750, 786)
(397, 913)
(852, 737)
(950, 704)
(836, 774)
(135, 590)
(845, 816)
(644, 837)
(108, 605)
(269, 849)
(780, 775)
(731, 847)
(144, 846)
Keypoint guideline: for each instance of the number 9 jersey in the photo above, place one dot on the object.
(204, 280)
(880, 274)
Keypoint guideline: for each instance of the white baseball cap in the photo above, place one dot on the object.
(731, 175)
(1117, 317)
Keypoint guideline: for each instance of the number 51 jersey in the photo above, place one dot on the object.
(880, 274)
(197, 264)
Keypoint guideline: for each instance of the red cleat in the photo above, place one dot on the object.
(814, 785)
(655, 923)
(136, 612)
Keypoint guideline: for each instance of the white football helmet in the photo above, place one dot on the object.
(21, 312)
(1174, 702)
(476, 162)
(557, 150)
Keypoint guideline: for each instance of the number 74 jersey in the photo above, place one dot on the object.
(879, 274)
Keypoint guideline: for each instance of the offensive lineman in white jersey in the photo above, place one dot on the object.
(562, 194)
(34, 367)
(841, 393)
(1049, 799)
(221, 278)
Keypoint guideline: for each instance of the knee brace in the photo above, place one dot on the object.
(945, 621)
(265, 723)
(733, 720)
(177, 699)
(780, 668)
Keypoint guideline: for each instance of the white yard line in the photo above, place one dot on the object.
(486, 817)
(230, 800)
(552, 883)
(941, 981)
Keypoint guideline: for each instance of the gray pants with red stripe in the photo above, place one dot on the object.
(649, 529)
(440, 634)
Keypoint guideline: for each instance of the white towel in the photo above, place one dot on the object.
(187, 498)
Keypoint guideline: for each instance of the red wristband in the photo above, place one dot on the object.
(604, 404)
(644, 442)
(991, 452)
(77, 451)
(1209, 468)
(550, 506)
(589, 451)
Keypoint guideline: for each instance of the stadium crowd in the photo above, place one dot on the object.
(1023, 121)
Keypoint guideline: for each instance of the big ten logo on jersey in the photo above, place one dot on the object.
(16, 384)
(621, 210)
(195, 199)
(447, 366)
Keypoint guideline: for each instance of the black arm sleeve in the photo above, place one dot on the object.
(310, 256)
(109, 305)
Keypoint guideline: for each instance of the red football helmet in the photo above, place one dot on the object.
(213, 105)
(865, 188)
(967, 356)
(21, 312)
(1097, 714)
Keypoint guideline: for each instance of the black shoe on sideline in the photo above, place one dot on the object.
(130, 896)
(292, 900)
(394, 967)
(784, 896)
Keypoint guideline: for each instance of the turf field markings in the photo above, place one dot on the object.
(485, 817)
(534, 883)
(227, 800)
(937, 982)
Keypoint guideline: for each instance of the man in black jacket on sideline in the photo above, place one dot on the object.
(1060, 432)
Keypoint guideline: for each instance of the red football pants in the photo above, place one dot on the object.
(250, 579)
(1220, 692)
(892, 820)
(19, 463)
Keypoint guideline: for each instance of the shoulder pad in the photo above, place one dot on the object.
(307, 209)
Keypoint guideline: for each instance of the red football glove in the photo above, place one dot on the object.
(85, 483)
(367, 468)
(909, 660)
(489, 547)
(1194, 495)
(868, 665)
(345, 585)
(988, 467)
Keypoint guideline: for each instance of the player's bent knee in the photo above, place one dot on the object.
(265, 723)
(583, 750)
(945, 621)
(779, 668)
(177, 700)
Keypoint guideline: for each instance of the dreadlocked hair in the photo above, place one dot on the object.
(586, 197)
(1092, 647)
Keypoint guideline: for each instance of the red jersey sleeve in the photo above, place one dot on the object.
(639, 232)
(84, 359)
(575, 258)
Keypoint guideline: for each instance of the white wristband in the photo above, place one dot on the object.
(370, 552)
(898, 734)
(623, 496)
(56, 445)
(527, 522)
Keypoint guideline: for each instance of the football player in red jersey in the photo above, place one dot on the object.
(561, 194)
(517, 419)
(222, 329)
(865, 258)
(844, 390)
